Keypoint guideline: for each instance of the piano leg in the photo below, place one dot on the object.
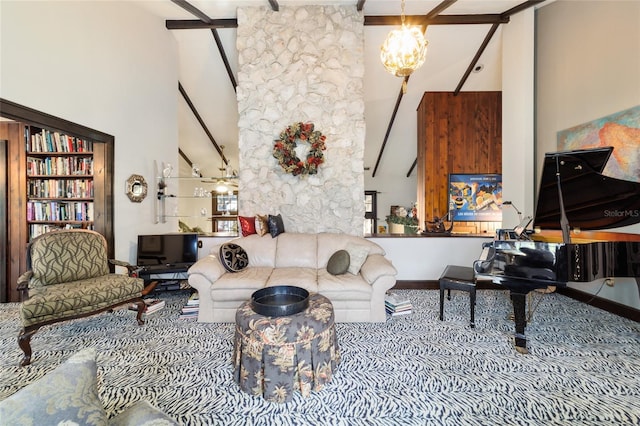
(520, 319)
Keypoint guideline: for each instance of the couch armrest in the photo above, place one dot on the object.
(377, 266)
(209, 267)
(23, 285)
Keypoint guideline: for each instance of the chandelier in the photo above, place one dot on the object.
(403, 51)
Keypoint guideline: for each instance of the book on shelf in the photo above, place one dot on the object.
(153, 305)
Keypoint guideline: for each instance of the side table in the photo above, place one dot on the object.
(275, 356)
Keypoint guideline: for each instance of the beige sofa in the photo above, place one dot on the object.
(300, 260)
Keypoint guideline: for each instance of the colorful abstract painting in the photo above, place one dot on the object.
(620, 130)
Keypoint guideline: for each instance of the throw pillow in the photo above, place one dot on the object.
(338, 263)
(233, 257)
(357, 255)
(262, 226)
(66, 395)
(276, 226)
(247, 225)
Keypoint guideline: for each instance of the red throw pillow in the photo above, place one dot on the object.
(247, 225)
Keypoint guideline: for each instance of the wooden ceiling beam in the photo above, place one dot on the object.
(475, 59)
(196, 114)
(382, 20)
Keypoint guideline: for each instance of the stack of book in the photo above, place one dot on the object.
(153, 305)
(397, 305)
(190, 310)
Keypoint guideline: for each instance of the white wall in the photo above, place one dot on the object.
(588, 66)
(105, 65)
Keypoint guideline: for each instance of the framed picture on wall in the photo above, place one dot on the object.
(475, 197)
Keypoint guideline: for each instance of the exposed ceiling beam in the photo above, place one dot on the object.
(360, 5)
(521, 7)
(413, 166)
(201, 121)
(274, 5)
(386, 135)
(388, 20)
(475, 59)
(225, 59)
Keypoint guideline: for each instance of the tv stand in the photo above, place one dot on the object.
(168, 277)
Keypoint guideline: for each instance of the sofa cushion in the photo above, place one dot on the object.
(338, 263)
(297, 251)
(357, 256)
(262, 224)
(306, 278)
(276, 225)
(247, 225)
(66, 395)
(261, 251)
(343, 287)
(233, 257)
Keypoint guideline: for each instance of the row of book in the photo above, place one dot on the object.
(191, 308)
(60, 188)
(47, 141)
(59, 211)
(36, 229)
(61, 166)
(396, 305)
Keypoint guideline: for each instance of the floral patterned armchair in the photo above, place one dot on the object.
(68, 277)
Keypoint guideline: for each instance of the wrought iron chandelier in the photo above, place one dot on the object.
(404, 50)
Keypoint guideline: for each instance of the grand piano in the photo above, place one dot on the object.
(576, 201)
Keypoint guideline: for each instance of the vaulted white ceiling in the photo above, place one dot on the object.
(451, 50)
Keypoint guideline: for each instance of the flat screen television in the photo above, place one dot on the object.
(167, 251)
(475, 197)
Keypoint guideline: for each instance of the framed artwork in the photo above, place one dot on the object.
(475, 197)
(620, 130)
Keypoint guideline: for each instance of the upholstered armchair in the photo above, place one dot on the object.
(68, 277)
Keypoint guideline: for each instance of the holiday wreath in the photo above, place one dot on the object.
(283, 149)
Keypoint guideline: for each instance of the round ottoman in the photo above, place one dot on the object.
(275, 356)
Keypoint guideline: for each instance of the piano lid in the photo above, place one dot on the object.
(591, 199)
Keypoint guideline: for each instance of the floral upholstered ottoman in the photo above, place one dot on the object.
(275, 356)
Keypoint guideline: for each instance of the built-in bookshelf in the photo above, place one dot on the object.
(60, 188)
(59, 175)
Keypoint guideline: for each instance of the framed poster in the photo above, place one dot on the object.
(475, 197)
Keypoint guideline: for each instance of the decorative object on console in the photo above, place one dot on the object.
(284, 149)
(405, 217)
(338, 263)
(437, 226)
(247, 225)
(404, 50)
(233, 257)
(276, 225)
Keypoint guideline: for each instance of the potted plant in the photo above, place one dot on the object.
(403, 221)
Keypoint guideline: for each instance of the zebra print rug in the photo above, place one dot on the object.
(583, 366)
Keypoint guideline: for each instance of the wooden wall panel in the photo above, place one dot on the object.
(456, 134)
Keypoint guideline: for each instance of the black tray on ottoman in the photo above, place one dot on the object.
(279, 301)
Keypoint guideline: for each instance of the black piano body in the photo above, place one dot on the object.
(573, 193)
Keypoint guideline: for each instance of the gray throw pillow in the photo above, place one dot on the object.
(233, 257)
(338, 263)
(66, 395)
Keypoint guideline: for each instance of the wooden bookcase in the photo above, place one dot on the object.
(59, 175)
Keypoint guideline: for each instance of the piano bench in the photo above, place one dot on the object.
(458, 278)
